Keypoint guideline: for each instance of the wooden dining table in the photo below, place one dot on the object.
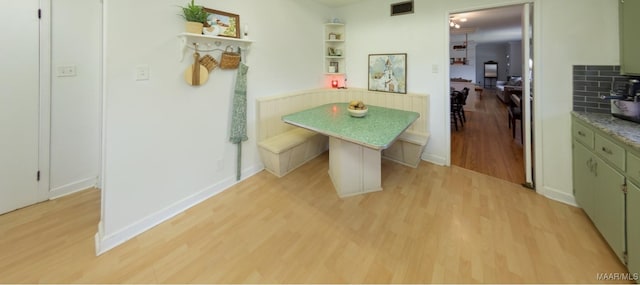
(355, 144)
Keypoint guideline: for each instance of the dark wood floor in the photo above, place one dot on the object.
(485, 143)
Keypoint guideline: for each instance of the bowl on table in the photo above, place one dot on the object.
(358, 113)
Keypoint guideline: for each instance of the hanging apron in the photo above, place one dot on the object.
(239, 115)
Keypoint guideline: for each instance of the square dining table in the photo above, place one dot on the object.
(355, 144)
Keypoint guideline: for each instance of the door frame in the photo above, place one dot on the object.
(44, 121)
(527, 89)
(535, 143)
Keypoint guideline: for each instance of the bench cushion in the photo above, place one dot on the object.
(287, 140)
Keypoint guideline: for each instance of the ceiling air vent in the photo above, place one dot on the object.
(402, 8)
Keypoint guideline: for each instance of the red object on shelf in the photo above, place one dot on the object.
(334, 83)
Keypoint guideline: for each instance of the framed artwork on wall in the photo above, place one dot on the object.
(388, 72)
(223, 24)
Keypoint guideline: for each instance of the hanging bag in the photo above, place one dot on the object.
(229, 59)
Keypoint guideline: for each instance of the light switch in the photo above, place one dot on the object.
(142, 72)
(66, 70)
(435, 68)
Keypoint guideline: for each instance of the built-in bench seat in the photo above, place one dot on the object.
(407, 149)
(284, 147)
(286, 151)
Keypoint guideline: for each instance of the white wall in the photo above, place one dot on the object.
(567, 32)
(166, 143)
(589, 36)
(75, 101)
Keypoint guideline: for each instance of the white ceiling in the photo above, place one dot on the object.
(337, 3)
(504, 23)
(507, 16)
(497, 24)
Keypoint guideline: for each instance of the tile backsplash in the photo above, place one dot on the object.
(592, 81)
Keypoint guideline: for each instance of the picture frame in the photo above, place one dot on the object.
(331, 51)
(388, 72)
(224, 24)
(336, 65)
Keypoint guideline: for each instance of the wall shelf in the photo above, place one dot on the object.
(209, 43)
(334, 48)
(460, 47)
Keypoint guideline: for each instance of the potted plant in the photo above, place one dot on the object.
(196, 16)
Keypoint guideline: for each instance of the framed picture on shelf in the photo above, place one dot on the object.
(223, 24)
(388, 72)
(331, 51)
(334, 66)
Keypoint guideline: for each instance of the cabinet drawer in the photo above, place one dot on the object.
(583, 134)
(610, 151)
(633, 167)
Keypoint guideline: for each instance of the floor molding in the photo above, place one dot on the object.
(435, 159)
(73, 187)
(558, 195)
(104, 243)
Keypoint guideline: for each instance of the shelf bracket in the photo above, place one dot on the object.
(182, 48)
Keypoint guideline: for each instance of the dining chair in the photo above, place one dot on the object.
(465, 92)
(457, 101)
(515, 113)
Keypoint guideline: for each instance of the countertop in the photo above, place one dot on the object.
(625, 131)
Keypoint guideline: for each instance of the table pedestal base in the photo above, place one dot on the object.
(353, 168)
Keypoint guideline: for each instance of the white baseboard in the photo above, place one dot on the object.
(73, 187)
(104, 242)
(557, 195)
(435, 159)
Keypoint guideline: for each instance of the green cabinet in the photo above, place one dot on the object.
(598, 189)
(583, 178)
(629, 11)
(606, 179)
(633, 228)
(609, 198)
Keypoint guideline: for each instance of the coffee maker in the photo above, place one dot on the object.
(625, 101)
(634, 89)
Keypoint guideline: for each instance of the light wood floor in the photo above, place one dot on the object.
(430, 225)
(485, 143)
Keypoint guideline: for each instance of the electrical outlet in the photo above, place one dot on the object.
(220, 165)
(142, 72)
(66, 70)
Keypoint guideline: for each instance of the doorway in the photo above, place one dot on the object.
(496, 138)
(23, 105)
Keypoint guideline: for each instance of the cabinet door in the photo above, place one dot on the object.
(629, 39)
(583, 178)
(610, 206)
(633, 228)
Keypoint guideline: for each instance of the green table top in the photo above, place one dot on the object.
(378, 129)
